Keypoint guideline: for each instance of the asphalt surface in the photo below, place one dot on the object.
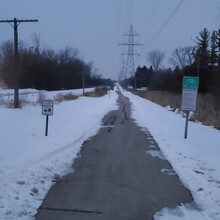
(120, 175)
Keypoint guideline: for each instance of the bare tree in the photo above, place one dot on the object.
(68, 55)
(36, 42)
(156, 58)
(7, 63)
(182, 57)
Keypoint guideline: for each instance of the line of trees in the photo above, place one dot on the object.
(201, 60)
(45, 68)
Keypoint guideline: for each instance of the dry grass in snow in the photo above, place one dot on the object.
(208, 105)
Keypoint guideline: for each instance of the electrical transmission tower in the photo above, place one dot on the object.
(129, 68)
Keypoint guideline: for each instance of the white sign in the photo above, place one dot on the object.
(189, 93)
(189, 98)
(47, 107)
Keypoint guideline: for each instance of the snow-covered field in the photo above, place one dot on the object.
(31, 162)
(34, 96)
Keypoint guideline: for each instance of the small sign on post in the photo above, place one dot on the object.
(189, 97)
(47, 109)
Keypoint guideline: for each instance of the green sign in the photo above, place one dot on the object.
(190, 82)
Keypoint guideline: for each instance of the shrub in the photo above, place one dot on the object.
(65, 97)
(98, 92)
(207, 111)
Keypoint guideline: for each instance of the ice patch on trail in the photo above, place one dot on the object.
(169, 172)
(183, 212)
(155, 153)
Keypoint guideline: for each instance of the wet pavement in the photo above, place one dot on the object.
(120, 175)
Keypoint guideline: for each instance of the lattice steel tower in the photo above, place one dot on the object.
(129, 68)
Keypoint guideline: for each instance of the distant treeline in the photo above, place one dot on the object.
(47, 69)
(202, 60)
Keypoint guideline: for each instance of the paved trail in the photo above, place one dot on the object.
(116, 177)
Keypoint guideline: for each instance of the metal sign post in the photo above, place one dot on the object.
(47, 109)
(186, 125)
(189, 97)
(46, 129)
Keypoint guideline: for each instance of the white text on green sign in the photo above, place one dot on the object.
(190, 82)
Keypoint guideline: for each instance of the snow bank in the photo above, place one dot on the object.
(196, 160)
(30, 162)
(34, 96)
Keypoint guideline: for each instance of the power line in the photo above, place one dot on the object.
(153, 12)
(130, 10)
(166, 22)
(119, 18)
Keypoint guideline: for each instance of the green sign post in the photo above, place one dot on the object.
(189, 97)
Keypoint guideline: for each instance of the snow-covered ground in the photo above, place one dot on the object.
(195, 160)
(31, 162)
(34, 96)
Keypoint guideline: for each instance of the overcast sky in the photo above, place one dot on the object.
(96, 27)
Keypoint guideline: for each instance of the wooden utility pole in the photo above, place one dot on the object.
(14, 23)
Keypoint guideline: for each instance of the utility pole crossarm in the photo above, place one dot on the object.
(132, 44)
(18, 20)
